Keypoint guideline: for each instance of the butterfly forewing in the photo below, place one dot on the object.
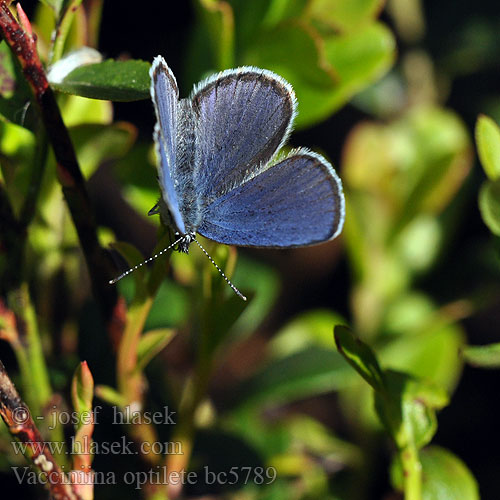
(242, 118)
(295, 202)
(165, 97)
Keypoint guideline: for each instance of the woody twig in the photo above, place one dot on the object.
(19, 421)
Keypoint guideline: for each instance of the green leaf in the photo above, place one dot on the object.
(96, 144)
(419, 242)
(171, 306)
(443, 160)
(248, 19)
(55, 5)
(273, 47)
(8, 70)
(64, 25)
(17, 145)
(430, 351)
(325, 72)
(407, 407)
(304, 440)
(161, 263)
(15, 94)
(224, 314)
(446, 477)
(150, 344)
(342, 15)
(251, 17)
(262, 281)
(408, 314)
(140, 185)
(304, 373)
(78, 110)
(429, 158)
(44, 18)
(133, 258)
(110, 395)
(75, 59)
(282, 10)
(358, 59)
(312, 328)
(293, 448)
(82, 393)
(311, 435)
(488, 146)
(110, 80)
(267, 438)
(359, 356)
(398, 178)
(484, 356)
(489, 204)
(219, 22)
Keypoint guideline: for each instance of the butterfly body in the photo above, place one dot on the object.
(220, 171)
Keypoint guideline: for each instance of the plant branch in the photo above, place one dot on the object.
(17, 417)
(62, 28)
(26, 324)
(130, 381)
(412, 473)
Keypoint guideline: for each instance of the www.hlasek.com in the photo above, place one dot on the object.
(157, 476)
(86, 446)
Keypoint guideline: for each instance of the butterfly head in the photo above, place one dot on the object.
(185, 241)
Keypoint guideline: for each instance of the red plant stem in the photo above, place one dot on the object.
(23, 45)
(17, 417)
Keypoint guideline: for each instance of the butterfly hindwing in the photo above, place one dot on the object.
(295, 202)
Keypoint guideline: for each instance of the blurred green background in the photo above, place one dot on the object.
(390, 93)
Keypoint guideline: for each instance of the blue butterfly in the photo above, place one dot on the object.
(220, 170)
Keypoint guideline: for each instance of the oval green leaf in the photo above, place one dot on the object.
(342, 15)
(110, 80)
(358, 59)
(489, 204)
(483, 356)
(55, 5)
(82, 390)
(446, 477)
(97, 143)
(133, 258)
(311, 328)
(110, 395)
(488, 146)
(325, 72)
(150, 344)
(407, 408)
(360, 356)
(305, 373)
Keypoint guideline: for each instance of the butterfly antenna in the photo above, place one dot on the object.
(236, 291)
(132, 269)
